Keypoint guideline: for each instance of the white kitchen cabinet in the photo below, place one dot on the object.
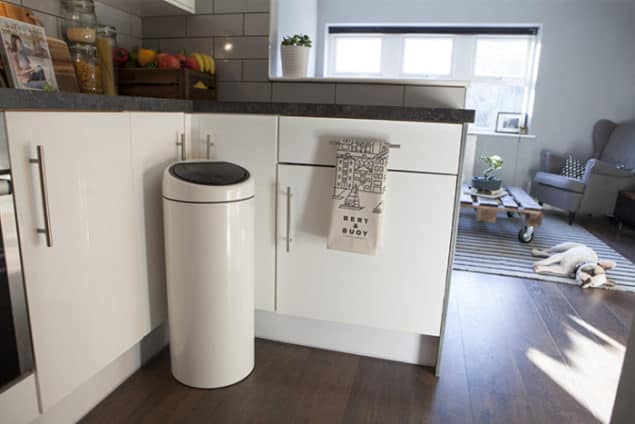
(87, 291)
(401, 288)
(250, 141)
(156, 141)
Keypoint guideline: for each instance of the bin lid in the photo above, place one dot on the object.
(207, 182)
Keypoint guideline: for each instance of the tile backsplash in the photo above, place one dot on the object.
(129, 32)
(242, 70)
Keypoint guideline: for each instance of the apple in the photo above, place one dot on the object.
(192, 63)
(168, 61)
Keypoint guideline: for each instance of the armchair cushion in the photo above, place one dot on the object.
(551, 162)
(620, 147)
(600, 167)
(560, 182)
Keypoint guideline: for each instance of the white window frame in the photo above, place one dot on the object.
(463, 63)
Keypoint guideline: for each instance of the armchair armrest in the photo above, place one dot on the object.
(599, 167)
(551, 162)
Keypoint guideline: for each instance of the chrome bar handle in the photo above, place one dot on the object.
(180, 142)
(210, 145)
(39, 161)
(289, 240)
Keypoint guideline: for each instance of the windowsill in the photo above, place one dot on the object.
(504, 135)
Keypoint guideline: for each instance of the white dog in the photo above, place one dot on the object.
(574, 260)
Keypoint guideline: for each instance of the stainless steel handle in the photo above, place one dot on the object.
(210, 144)
(39, 161)
(289, 240)
(180, 142)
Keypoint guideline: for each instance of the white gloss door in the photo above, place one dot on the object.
(86, 292)
(402, 288)
(250, 141)
(155, 143)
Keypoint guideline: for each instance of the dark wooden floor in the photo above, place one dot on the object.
(516, 351)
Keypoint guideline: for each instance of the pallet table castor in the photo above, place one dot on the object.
(515, 201)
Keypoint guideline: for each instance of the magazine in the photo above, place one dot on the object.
(26, 56)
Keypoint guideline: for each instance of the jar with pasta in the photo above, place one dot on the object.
(87, 68)
(106, 43)
(78, 21)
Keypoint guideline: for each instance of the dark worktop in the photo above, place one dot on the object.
(24, 99)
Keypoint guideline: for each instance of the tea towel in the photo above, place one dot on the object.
(358, 196)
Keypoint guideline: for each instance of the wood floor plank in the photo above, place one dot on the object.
(497, 394)
(325, 387)
(386, 391)
(452, 398)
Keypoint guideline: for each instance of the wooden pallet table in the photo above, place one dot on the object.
(515, 201)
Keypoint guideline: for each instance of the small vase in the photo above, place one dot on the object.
(295, 60)
(486, 184)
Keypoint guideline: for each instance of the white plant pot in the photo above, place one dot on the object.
(295, 60)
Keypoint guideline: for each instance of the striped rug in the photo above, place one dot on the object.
(495, 249)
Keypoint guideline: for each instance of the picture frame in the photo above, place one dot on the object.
(511, 122)
(26, 56)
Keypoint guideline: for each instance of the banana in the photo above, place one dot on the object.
(200, 60)
(208, 63)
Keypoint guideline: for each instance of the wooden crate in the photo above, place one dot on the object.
(166, 83)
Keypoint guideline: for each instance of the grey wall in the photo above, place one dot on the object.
(587, 66)
(128, 26)
(299, 17)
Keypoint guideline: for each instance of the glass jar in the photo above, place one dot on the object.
(87, 68)
(78, 21)
(106, 44)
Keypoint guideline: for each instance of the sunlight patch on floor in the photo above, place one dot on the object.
(591, 368)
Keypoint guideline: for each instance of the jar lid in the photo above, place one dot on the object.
(106, 30)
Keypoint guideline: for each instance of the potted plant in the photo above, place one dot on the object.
(488, 182)
(294, 51)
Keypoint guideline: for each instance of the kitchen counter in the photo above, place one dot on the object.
(24, 99)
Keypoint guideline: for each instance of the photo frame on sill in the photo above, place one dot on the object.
(511, 122)
(26, 56)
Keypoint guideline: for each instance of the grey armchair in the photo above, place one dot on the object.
(610, 170)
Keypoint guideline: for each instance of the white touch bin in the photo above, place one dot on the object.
(209, 219)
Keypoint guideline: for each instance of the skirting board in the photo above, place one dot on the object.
(18, 403)
(392, 345)
(72, 408)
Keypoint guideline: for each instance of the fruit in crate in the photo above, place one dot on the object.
(192, 63)
(120, 56)
(181, 57)
(146, 57)
(200, 84)
(167, 61)
(205, 63)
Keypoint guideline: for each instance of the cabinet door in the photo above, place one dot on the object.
(250, 141)
(155, 143)
(86, 293)
(401, 288)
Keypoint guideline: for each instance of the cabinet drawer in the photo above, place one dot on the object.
(425, 146)
(401, 288)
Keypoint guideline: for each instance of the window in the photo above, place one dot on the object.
(499, 62)
(431, 56)
(358, 55)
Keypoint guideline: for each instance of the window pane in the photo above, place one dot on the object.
(427, 56)
(488, 99)
(501, 58)
(359, 55)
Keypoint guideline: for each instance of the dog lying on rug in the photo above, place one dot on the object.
(574, 260)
